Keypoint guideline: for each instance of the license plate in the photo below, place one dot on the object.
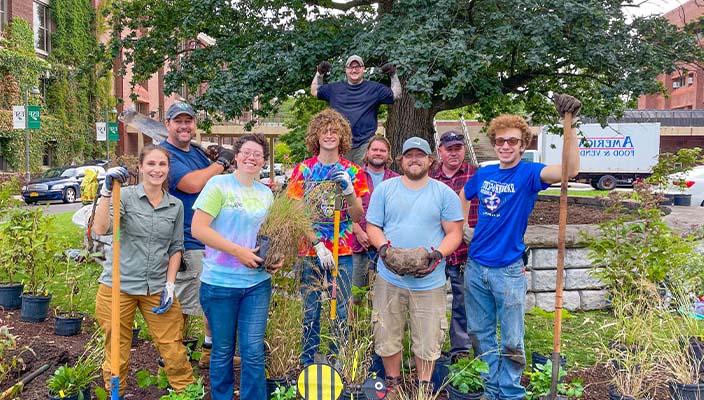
(34, 194)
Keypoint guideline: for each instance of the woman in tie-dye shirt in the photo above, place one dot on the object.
(235, 288)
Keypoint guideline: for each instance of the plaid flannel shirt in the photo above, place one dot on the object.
(456, 182)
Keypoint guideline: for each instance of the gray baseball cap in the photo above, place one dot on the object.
(179, 108)
(354, 58)
(416, 143)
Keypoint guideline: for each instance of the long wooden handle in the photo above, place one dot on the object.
(115, 306)
(335, 268)
(562, 228)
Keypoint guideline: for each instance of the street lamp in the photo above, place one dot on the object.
(34, 92)
(109, 117)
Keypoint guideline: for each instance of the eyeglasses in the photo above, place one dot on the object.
(355, 67)
(257, 155)
(453, 137)
(512, 141)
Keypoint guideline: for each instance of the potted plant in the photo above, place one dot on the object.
(11, 286)
(68, 322)
(27, 245)
(465, 379)
(280, 234)
(541, 379)
(73, 383)
(354, 352)
(135, 333)
(283, 340)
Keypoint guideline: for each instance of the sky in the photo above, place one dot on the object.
(654, 7)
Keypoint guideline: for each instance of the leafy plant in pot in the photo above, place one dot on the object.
(73, 383)
(68, 322)
(11, 273)
(541, 379)
(465, 380)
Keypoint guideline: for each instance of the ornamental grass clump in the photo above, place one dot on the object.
(283, 340)
(354, 357)
(285, 225)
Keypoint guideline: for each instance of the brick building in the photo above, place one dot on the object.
(37, 13)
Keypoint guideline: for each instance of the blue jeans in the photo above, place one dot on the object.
(237, 312)
(312, 281)
(498, 295)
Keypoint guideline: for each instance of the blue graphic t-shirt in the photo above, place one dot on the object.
(183, 163)
(410, 219)
(359, 104)
(238, 212)
(506, 199)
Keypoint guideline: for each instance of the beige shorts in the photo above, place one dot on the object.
(188, 282)
(392, 308)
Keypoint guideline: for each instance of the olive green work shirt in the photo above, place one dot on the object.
(149, 236)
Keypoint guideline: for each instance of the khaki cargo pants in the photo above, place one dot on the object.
(166, 331)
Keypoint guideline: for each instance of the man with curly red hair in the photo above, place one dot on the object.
(325, 182)
(495, 279)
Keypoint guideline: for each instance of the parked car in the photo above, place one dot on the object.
(281, 179)
(691, 182)
(60, 183)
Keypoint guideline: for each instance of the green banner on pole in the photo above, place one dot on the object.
(33, 117)
(113, 133)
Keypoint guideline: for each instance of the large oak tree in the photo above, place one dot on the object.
(493, 54)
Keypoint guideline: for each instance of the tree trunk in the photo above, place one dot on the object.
(405, 121)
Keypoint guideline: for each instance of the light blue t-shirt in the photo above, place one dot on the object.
(377, 177)
(506, 199)
(410, 219)
(238, 212)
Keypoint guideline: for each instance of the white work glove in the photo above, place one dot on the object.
(324, 255)
(467, 233)
(114, 174)
(167, 299)
(343, 180)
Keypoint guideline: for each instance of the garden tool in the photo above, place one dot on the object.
(567, 107)
(336, 256)
(319, 382)
(115, 306)
(14, 390)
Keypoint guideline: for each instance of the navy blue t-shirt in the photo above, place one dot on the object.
(506, 199)
(182, 163)
(359, 104)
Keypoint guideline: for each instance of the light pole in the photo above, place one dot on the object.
(34, 92)
(108, 114)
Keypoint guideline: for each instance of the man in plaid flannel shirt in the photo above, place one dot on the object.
(453, 171)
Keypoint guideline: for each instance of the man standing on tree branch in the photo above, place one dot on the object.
(358, 100)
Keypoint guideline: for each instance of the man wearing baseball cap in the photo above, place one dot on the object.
(189, 171)
(454, 171)
(412, 211)
(357, 99)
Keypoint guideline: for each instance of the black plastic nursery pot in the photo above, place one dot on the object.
(263, 242)
(34, 308)
(68, 324)
(539, 359)
(682, 391)
(85, 392)
(273, 383)
(696, 351)
(352, 392)
(615, 395)
(135, 336)
(11, 295)
(454, 394)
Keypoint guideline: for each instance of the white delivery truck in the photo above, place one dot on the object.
(616, 154)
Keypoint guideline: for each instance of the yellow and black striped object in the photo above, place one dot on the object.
(319, 382)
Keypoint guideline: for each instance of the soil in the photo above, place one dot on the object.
(547, 213)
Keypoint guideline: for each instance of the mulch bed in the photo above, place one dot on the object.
(547, 213)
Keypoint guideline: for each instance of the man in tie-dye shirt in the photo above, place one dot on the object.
(323, 182)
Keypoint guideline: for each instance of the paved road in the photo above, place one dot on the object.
(58, 207)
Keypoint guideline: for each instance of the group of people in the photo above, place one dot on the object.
(189, 242)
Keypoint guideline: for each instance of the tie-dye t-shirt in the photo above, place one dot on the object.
(238, 211)
(311, 182)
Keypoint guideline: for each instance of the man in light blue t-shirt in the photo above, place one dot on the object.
(494, 280)
(408, 212)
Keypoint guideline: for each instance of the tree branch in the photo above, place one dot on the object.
(341, 6)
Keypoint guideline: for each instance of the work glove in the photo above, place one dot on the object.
(324, 68)
(467, 234)
(434, 259)
(324, 256)
(565, 103)
(383, 250)
(225, 157)
(166, 300)
(114, 174)
(388, 68)
(343, 180)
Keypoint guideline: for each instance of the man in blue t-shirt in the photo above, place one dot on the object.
(417, 212)
(189, 171)
(358, 100)
(495, 281)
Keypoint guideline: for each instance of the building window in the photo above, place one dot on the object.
(41, 27)
(3, 14)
